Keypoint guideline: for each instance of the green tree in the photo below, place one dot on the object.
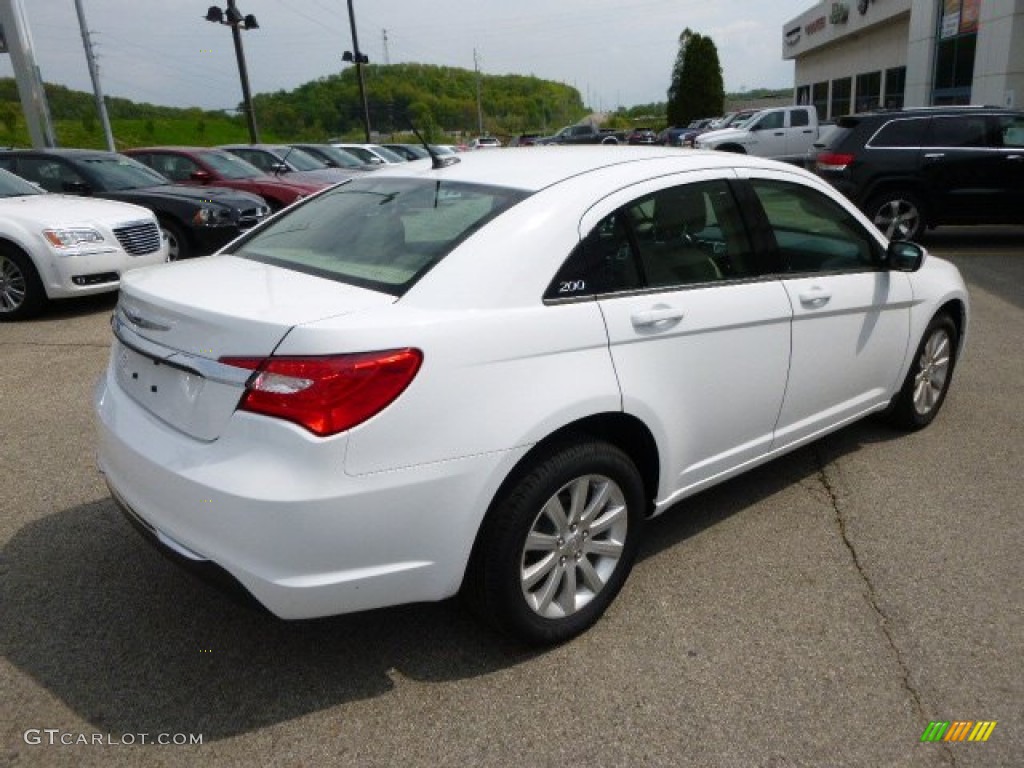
(697, 89)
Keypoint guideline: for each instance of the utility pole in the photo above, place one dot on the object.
(94, 73)
(236, 36)
(479, 103)
(384, 40)
(358, 59)
(26, 73)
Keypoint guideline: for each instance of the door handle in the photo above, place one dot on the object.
(660, 315)
(814, 297)
(934, 155)
(1015, 158)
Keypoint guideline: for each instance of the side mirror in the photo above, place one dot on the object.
(76, 188)
(203, 177)
(904, 256)
(280, 168)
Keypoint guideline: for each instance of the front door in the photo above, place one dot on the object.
(851, 316)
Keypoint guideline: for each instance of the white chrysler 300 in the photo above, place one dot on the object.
(61, 246)
(484, 376)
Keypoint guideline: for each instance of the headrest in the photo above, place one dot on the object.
(680, 209)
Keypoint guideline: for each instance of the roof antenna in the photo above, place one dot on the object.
(436, 161)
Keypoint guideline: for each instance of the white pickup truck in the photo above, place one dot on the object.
(781, 133)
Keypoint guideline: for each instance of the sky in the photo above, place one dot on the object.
(615, 52)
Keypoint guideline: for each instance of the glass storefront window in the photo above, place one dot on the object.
(895, 83)
(869, 91)
(841, 97)
(819, 97)
(956, 43)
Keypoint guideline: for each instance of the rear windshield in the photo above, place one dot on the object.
(382, 234)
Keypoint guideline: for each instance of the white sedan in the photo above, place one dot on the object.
(485, 376)
(57, 246)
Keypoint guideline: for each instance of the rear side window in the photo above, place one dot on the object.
(900, 133)
(798, 117)
(381, 234)
(958, 131)
(688, 235)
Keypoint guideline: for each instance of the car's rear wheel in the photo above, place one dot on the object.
(558, 544)
(177, 243)
(899, 214)
(924, 390)
(21, 291)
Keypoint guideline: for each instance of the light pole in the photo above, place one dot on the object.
(233, 18)
(354, 56)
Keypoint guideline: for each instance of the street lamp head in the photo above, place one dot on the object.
(250, 22)
(234, 16)
(215, 14)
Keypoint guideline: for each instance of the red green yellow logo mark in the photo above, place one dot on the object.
(958, 730)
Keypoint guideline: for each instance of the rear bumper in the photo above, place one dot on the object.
(272, 507)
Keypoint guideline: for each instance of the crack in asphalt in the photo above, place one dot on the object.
(872, 598)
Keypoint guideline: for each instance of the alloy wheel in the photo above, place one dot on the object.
(12, 285)
(933, 371)
(898, 219)
(574, 546)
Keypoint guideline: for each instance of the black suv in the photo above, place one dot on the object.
(913, 169)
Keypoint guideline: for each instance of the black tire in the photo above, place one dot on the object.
(542, 581)
(21, 291)
(178, 245)
(899, 214)
(931, 371)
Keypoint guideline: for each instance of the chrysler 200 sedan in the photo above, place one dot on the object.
(484, 376)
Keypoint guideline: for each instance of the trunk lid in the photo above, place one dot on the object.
(174, 322)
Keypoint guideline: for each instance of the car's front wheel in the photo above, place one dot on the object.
(924, 390)
(558, 544)
(21, 291)
(898, 214)
(177, 244)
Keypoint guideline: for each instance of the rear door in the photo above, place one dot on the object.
(700, 342)
(851, 316)
(960, 168)
(1009, 173)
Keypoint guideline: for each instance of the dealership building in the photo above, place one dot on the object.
(865, 54)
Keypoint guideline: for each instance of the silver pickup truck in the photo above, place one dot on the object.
(781, 133)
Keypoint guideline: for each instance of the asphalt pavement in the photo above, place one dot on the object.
(819, 611)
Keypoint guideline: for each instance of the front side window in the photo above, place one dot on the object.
(1011, 131)
(228, 165)
(115, 172)
(812, 232)
(262, 160)
(49, 173)
(771, 121)
(13, 186)
(381, 234)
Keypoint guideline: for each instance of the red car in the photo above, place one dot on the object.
(204, 166)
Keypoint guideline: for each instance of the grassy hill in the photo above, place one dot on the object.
(439, 101)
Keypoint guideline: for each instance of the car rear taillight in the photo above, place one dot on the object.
(330, 394)
(832, 161)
